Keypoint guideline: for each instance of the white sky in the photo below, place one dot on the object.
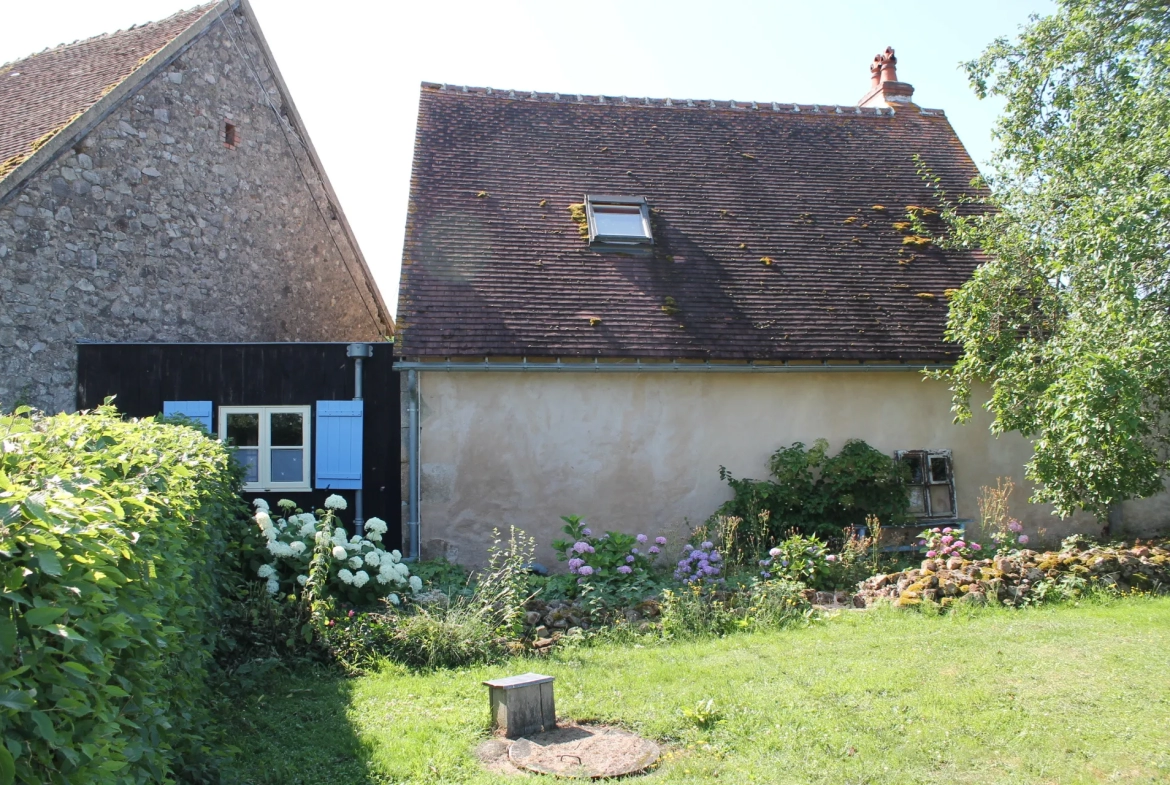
(354, 66)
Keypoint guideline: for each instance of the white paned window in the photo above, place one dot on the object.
(932, 482)
(272, 444)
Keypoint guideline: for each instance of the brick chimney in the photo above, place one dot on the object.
(884, 87)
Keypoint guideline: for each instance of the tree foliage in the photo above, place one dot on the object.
(1067, 320)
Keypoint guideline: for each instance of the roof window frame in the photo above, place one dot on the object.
(618, 241)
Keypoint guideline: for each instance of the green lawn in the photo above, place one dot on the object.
(1060, 695)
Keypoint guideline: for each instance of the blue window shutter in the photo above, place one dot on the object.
(339, 444)
(199, 411)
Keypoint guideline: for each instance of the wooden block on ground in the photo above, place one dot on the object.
(522, 705)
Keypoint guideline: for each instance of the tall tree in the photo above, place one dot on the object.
(1068, 319)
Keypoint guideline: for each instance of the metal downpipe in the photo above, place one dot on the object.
(412, 458)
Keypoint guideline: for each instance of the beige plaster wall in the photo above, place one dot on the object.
(641, 451)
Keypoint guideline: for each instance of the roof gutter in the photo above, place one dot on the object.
(637, 366)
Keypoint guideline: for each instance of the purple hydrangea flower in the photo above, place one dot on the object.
(774, 552)
(660, 541)
(587, 532)
(630, 559)
(765, 574)
(581, 547)
(586, 570)
(682, 565)
(641, 538)
(1023, 539)
(706, 545)
(624, 570)
(976, 546)
(576, 564)
(1015, 526)
(653, 549)
(715, 556)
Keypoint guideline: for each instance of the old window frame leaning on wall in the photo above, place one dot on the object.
(932, 484)
(264, 446)
(621, 231)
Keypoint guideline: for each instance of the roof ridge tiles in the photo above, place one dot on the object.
(679, 103)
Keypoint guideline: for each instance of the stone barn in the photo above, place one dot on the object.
(158, 185)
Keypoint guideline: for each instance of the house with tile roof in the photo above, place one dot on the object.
(606, 298)
(158, 185)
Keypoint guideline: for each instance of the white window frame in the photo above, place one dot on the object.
(929, 481)
(264, 468)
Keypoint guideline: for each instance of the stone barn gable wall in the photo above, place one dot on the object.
(151, 228)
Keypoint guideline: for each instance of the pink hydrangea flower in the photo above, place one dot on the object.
(931, 554)
(1023, 539)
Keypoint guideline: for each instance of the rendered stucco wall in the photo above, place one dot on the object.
(152, 229)
(641, 451)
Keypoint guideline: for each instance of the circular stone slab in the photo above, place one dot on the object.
(584, 752)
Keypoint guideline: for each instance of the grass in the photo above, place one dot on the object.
(1053, 695)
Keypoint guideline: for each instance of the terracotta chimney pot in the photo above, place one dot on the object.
(884, 88)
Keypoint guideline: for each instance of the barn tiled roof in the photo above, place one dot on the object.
(774, 229)
(42, 93)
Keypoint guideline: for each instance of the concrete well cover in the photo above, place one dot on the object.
(584, 752)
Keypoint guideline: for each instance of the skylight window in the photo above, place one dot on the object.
(618, 220)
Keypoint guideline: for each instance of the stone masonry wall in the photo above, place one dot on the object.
(152, 229)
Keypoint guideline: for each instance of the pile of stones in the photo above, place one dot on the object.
(546, 622)
(1015, 579)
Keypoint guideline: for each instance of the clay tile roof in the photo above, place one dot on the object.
(774, 229)
(43, 93)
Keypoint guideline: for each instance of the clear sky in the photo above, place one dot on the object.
(354, 66)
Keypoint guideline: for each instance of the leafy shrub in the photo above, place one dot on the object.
(801, 559)
(814, 495)
(437, 636)
(113, 536)
(360, 569)
(441, 575)
(614, 566)
(698, 611)
(463, 631)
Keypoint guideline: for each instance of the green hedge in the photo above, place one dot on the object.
(112, 555)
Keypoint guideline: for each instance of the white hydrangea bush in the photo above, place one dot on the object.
(361, 570)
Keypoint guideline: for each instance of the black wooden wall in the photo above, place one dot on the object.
(142, 376)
